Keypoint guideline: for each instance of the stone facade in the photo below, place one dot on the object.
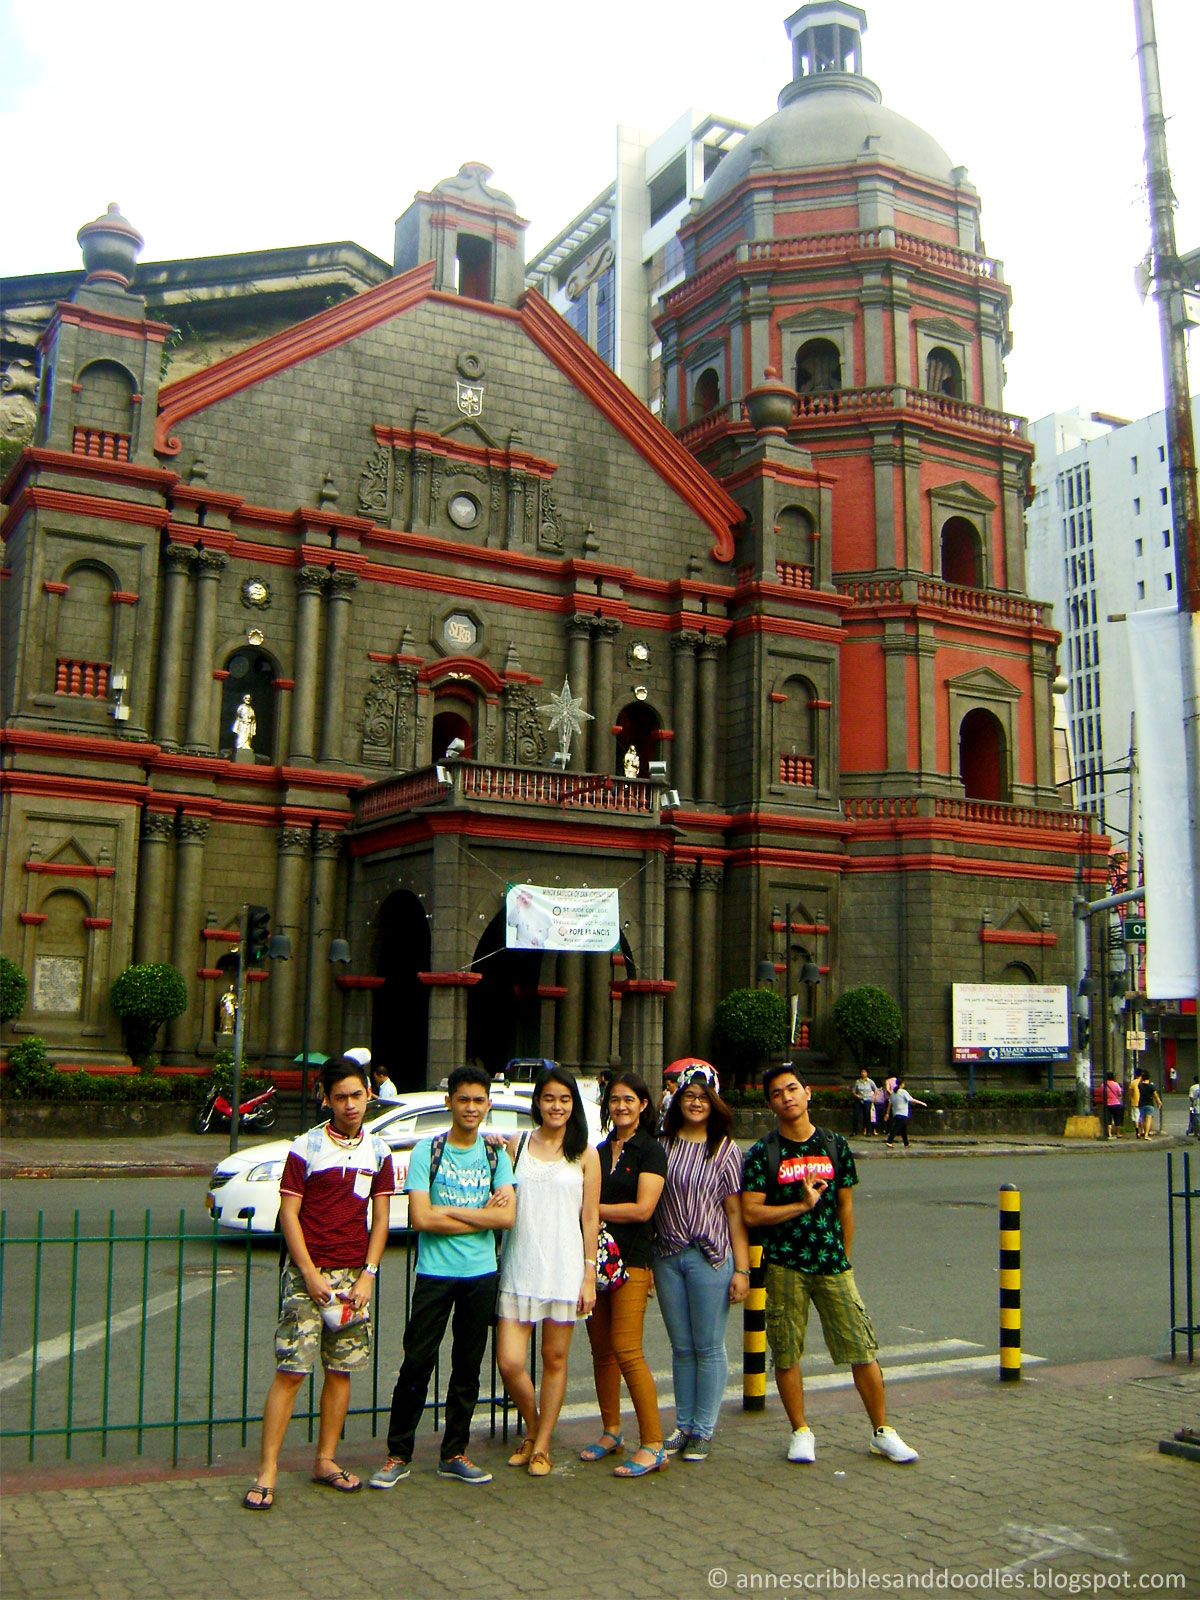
(402, 524)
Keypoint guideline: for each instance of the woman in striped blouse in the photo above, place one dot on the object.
(701, 1253)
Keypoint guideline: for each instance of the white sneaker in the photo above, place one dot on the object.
(887, 1442)
(803, 1446)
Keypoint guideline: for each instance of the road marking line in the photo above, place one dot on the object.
(18, 1368)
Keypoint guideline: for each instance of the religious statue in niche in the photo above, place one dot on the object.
(227, 1011)
(633, 762)
(244, 725)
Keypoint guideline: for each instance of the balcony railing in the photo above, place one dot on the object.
(988, 603)
(485, 783)
(981, 813)
(104, 446)
(88, 679)
(848, 404)
(797, 770)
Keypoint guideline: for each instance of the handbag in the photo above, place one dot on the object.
(611, 1272)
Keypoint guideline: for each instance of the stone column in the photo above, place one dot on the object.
(706, 717)
(191, 832)
(333, 706)
(604, 631)
(209, 566)
(569, 1030)
(406, 718)
(178, 561)
(598, 970)
(291, 855)
(327, 848)
(705, 972)
(579, 632)
(682, 770)
(310, 584)
(679, 878)
(158, 829)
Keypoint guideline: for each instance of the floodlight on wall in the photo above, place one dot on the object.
(339, 950)
(443, 775)
(670, 800)
(658, 771)
(279, 947)
(118, 682)
(560, 758)
(454, 749)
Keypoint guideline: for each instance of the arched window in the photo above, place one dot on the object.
(1016, 972)
(83, 637)
(961, 553)
(251, 672)
(637, 730)
(983, 756)
(61, 961)
(449, 726)
(943, 375)
(818, 367)
(796, 734)
(708, 392)
(103, 411)
(473, 267)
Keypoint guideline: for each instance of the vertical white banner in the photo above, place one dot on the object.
(1155, 655)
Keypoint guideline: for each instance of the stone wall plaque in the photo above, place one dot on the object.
(58, 984)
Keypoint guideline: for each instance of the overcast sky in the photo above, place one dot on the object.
(238, 126)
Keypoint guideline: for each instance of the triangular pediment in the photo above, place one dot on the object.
(71, 854)
(984, 682)
(962, 496)
(1019, 919)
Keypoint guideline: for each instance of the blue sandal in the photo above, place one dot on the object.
(598, 1451)
(637, 1469)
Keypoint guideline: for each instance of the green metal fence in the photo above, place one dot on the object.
(127, 1341)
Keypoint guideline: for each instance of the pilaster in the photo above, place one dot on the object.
(210, 564)
(341, 587)
(178, 561)
(310, 584)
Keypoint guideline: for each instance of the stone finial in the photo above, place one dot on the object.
(111, 246)
(771, 405)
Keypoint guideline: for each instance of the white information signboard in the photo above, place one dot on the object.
(1010, 1022)
(562, 919)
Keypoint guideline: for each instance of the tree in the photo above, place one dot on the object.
(14, 988)
(750, 1024)
(144, 997)
(868, 1022)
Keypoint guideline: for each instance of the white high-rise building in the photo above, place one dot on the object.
(1099, 544)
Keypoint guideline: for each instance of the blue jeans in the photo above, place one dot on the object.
(694, 1298)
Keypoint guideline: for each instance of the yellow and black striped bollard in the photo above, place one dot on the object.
(754, 1335)
(1010, 1283)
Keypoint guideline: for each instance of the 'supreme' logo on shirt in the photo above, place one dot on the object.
(795, 1169)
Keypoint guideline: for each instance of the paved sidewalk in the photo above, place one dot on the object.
(1052, 1483)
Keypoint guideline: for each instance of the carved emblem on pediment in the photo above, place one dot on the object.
(550, 529)
(373, 485)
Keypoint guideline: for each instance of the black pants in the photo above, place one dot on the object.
(862, 1116)
(899, 1125)
(473, 1302)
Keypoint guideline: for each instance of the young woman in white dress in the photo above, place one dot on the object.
(548, 1270)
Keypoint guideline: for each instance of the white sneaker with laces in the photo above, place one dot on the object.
(887, 1442)
(803, 1446)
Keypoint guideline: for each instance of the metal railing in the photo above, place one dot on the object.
(135, 1338)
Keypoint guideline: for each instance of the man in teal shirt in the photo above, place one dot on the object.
(455, 1212)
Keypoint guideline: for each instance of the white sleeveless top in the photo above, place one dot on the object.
(541, 1270)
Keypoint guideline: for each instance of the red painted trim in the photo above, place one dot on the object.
(552, 991)
(84, 505)
(221, 935)
(478, 671)
(460, 450)
(312, 337)
(285, 683)
(580, 364)
(70, 869)
(820, 705)
(220, 539)
(801, 927)
(199, 494)
(450, 980)
(99, 923)
(210, 972)
(257, 976)
(104, 322)
(55, 588)
(53, 785)
(121, 597)
(644, 986)
(68, 463)
(550, 828)
(32, 919)
(77, 744)
(664, 735)
(1015, 936)
(786, 627)
(776, 698)
(346, 980)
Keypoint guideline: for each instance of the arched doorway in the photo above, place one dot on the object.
(448, 726)
(707, 395)
(400, 1009)
(818, 367)
(504, 1013)
(983, 756)
(960, 553)
(637, 727)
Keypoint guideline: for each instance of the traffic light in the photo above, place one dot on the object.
(258, 932)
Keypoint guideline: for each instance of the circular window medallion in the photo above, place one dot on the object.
(464, 510)
(460, 631)
(639, 654)
(256, 592)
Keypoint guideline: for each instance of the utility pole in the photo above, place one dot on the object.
(239, 1032)
(1174, 278)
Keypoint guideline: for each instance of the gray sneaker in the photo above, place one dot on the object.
(696, 1449)
(466, 1471)
(389, 1475)
(675, 1442)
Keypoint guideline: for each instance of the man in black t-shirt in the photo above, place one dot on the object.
(797, 1190)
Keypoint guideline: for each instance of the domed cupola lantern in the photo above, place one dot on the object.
(111, 246)
(826, 40)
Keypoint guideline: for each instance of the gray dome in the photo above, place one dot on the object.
(825, 122)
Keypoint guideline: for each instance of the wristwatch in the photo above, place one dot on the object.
(370, 1267)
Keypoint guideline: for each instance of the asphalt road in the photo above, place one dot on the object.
(926, 1257)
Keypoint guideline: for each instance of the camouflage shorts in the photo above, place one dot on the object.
(301, 1332)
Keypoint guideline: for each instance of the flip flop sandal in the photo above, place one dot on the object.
(339, 1480)
(265, 1501)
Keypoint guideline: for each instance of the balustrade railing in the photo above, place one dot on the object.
(101, 444)
(88, 679)
(981, 813)
(989, 603)
(494, 784)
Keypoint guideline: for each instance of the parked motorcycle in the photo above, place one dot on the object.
(217, 1110)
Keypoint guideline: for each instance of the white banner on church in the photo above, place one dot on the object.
(562, 919)
(1155, 646)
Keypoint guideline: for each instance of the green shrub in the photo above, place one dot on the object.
(14, 988)
(32, 1076)
(144, 997)
(749, 1024)
(222, 1076)
(868, 1022)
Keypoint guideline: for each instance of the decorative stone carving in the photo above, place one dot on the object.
(709, 875)
(524, 735)
(680, 874)
(684, 642)
(327, 844)
(435, 486)
(342, 584)
(380, 708)
(293, 841)
(158, 827)
(374, 485)
(311, 580)
(211, 563)
(179, 557)
(708, 645)
(550, 529)
(191, 830)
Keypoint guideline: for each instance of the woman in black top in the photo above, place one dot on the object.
(633, 1169)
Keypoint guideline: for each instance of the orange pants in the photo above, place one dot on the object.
(615, 1331)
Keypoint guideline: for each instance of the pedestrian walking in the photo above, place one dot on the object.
(548, 1267)
(1147, 1103)
(332, 1173)
(864, 1090)
(701, 1254)
(1114, 1108)
(898, 1112)
(1193, 1123)
(633, 1169)
(459, 1190)
(797, 1187)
